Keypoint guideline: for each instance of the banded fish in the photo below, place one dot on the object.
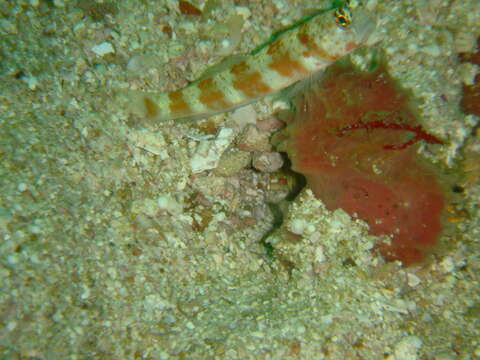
(295, 54)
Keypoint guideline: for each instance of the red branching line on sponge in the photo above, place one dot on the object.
(420, 134)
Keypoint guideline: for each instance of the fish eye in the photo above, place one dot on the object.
(343, 17)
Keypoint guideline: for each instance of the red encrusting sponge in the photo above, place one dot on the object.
(353, 137)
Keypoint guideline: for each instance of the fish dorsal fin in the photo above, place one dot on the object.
(223, 65)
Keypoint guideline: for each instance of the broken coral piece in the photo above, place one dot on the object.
(353, 137)
(209, 151)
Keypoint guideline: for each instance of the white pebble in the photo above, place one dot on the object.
(189, 325)
(59, 3)
(413, 280)
(31, 81)
(319, 254)
(243, 11)
(467, 72)
(447, 265)
(407, 348)
(432, 50)
(208, 152)
(103, 48)
(168, 203)
(297, 226)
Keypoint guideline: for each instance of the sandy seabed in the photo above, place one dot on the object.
(112, 247)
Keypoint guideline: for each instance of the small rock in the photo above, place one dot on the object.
(267, 161)
(244, 115)
(252, 139)
(270, 124)
(407, 349)
(432, 50)
(232, 161)
(208, 152)
(467, 73)
(319, 254)
(447, 265)
(59, 3)
(297, 226)
(103, 48)
(168, 203)
(243, 11)
(413, 280)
